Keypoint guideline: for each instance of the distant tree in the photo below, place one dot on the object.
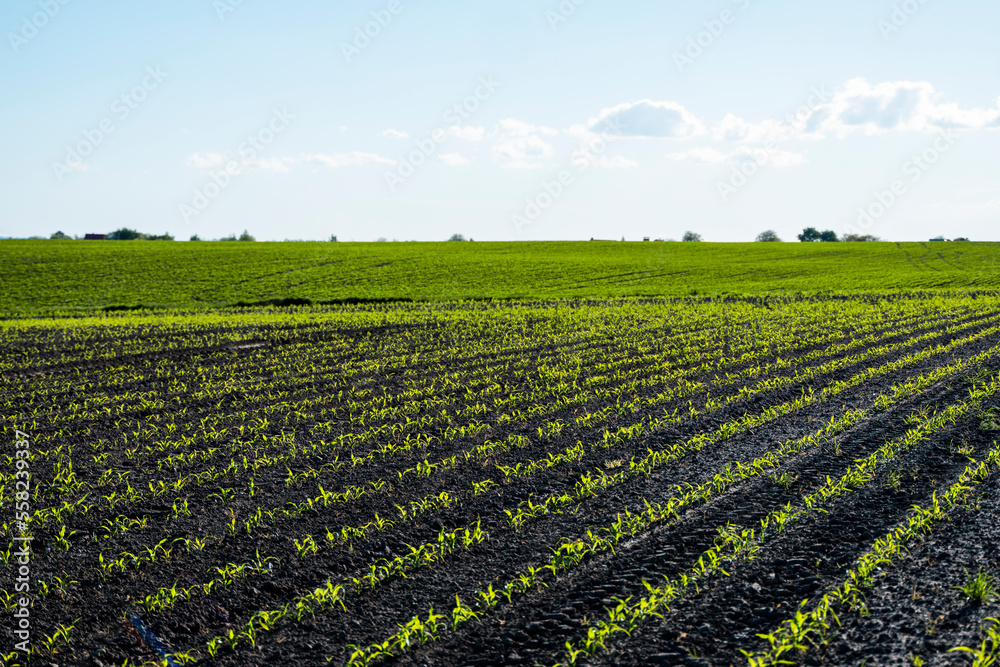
(125, 234)
(809, 235)
(860, 238)
(245, 236)
(457, 237)
(231, 237)
(59, 236)
(162, 237)
(381, 239)
(691, 237)
(770, 236)
(195, 238)
(812, 235)
(961, 239)
(333, 238)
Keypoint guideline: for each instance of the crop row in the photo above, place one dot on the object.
(569, 552)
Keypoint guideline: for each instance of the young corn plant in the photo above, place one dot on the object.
(989, 420)
(58, 640)
(186, 658)
(461, 613)
(59, 586)
(978, 589)
(784, 480)
(479, 488)
(61, 539)
(306, 547)
(223, 495)
(233, 526)
(180, 508)
(988, 653)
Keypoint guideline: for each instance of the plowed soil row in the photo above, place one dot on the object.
(914, 610)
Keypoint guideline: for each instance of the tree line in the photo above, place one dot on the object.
(808, 235)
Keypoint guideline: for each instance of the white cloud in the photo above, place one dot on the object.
(859, 106)
(394, 134)
(701, 156)
(272, 163)
(215, 161)
(352, 159)
(774, 158)
(519, 145)
(522, 153)
(646, 118)
(205, 160)
(862, 107)
(582, 158)
(454, 159)
(786, 159)
(467, 132)
(734, 128)
(518, 128)
(855, 107)
(742, 155)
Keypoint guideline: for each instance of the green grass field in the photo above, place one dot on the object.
(61, 275)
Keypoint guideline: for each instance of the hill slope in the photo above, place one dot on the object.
(43, 275)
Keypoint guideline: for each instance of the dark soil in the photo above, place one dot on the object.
(913, 610)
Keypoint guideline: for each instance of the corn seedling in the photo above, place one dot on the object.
(988, 653)
(978, 589)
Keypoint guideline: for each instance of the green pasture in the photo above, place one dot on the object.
(38, 275)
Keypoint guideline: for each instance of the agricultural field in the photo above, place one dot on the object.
(664, 481)
(55, 276)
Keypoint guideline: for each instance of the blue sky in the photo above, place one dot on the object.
(501, 120)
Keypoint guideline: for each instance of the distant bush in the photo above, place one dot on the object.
(245, 236)
(812, 235)
(195, 238)
(691, 237)
(59, 236)
(333, 238)
(860, 238)
(770, 236)
(961, 239)
(126, 234)
(457, 237)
